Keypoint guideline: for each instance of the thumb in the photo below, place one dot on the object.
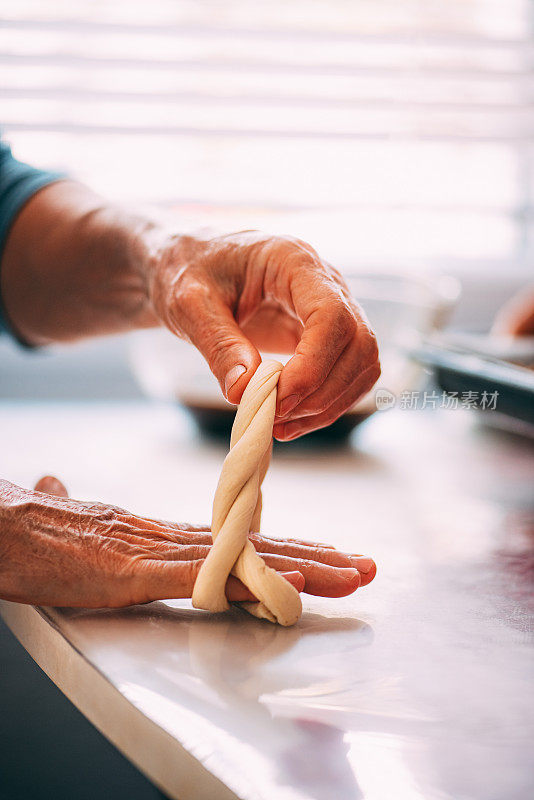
(232, 357)
(50, 485)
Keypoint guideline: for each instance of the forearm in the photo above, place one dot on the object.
(74, 266)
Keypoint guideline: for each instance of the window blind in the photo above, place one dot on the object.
(390, 133)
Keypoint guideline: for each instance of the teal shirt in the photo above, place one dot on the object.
(18, 182)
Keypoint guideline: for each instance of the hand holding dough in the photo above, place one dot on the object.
(237, 511)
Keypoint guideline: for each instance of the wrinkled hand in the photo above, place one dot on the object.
(62, 552)
(233, 295)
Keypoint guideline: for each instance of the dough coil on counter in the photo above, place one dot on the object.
(237, 511)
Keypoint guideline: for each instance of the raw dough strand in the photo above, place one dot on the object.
(237, 511)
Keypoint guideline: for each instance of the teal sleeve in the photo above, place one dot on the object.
(18, 182)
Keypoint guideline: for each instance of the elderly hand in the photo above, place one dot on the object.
(75, 266)
(63, 552)
(233, 295)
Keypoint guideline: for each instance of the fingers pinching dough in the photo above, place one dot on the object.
(237, 511)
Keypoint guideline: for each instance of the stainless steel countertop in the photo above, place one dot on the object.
(416, 687)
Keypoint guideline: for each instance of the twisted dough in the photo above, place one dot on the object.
(237, 511)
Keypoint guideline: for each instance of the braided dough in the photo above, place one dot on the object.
(237, 511)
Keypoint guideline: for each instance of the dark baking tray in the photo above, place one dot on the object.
(460, 370)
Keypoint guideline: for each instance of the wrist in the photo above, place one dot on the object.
(169, 261)
(118, 248)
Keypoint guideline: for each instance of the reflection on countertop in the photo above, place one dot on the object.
(418, 686)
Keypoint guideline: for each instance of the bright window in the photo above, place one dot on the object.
(392, 133)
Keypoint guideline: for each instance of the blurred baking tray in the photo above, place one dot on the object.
(460, 368)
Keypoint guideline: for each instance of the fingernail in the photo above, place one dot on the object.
(232, 376)
(352, 577)
(288, 404)
(364, 565)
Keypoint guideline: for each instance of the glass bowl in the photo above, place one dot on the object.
(402, 310)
